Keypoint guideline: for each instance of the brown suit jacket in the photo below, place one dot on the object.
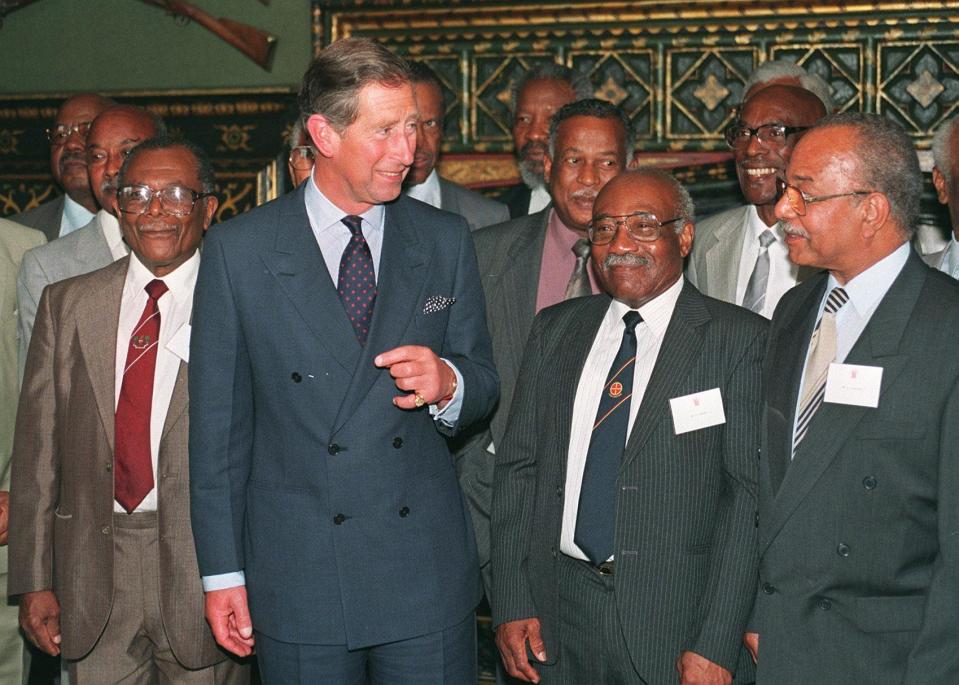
(62, 492)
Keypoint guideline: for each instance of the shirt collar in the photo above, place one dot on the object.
(868, 288)
(75, 214)
(950, 257)
(180, 281)
(538, 199)
(112, 233)
(326, 216)
(755, 226)
(428, 191)
(656, 313)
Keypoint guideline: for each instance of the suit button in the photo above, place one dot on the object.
(552, 551)
(869, 483)
(296, 377)
(757, 519)
(109, 466)
(397, 442)
(842, 549)
(559, 491)
(105, 530)
(768, 589)
(333, 448)
(404, 512)
(339, 519)
(824, 604)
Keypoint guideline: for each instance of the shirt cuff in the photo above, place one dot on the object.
(222, 581)
(450, 414)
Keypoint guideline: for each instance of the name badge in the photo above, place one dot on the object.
(696, 411)
(853, 384)
(179, 344)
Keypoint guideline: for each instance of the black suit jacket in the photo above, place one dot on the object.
(516, 197)
(859, 533)
(685, 505)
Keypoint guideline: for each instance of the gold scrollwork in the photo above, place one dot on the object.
(234, 137)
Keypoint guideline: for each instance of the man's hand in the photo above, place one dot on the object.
(40, 620)
(698, 670)
(4, 515)
(229, 618)
(419, 371)
(751, 640)
(511, 640)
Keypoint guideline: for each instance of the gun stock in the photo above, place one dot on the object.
(253, 42)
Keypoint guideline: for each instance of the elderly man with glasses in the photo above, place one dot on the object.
(101, 551)
(68, 164)
(624, 535)
(740, 254)
(859, 469)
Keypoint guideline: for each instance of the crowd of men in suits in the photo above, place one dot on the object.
(383, 394)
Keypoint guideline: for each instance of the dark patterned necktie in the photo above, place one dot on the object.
(133, 475)
(578, 284)
(357, 280)
(596, 516)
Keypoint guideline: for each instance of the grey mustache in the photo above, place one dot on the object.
(625, 260)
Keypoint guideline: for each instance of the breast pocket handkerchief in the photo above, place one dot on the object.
(437, 303)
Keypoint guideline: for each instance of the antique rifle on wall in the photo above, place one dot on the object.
(255, 43)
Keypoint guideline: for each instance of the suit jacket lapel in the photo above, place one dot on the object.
(520, 279)
(97, 320)
(297, 264)
(722, 257)
(833, 424)
(179, 401)
(681, 346)
(404, 262)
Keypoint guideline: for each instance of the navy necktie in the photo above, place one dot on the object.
(596, 516)
(357, 280)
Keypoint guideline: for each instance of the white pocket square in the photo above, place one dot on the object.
(437, 303)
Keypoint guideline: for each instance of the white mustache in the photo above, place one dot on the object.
(625, 260)
(585, 194)
(789, 229)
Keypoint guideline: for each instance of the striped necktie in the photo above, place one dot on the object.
(822, 352)
(596, 515)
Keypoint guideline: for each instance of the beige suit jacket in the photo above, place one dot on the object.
(62, 494)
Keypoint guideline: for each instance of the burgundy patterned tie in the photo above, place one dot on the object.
(357, 281)
(133, 474)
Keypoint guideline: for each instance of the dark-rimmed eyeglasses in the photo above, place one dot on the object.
(641, 226)
(57, 135)
(798, 200)
(769, 135)
(174, 200)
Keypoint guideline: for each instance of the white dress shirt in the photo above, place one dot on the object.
(950, 259)
(110, 228)
(428, 191)
(538, 199)
(865, 292)
(649, 337)
(74, 216)
(176, 308)
(783, 274)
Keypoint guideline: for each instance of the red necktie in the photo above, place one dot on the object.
(133, 474)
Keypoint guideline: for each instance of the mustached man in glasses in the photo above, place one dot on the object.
(68, 164)
(102, 556)
(859, 470)
(623, 537)
(740, 255)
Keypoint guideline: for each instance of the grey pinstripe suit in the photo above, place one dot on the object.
(685, 513)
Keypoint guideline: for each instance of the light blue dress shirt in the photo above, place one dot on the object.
(865, 293)
(74, 216)
(332, 235)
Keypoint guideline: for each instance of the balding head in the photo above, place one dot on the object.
(67, 141)
(114, 133)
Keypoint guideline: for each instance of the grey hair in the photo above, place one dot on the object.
(782, 69)
(888, 163)
(685, 208)
(592, 107)
(941, 147)
(550, 71)
(204, 166)
(334, 79)
(159, 126)
(298, 134)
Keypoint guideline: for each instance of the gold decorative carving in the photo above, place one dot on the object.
(235, 137)
(479, 171)
(711, 93)
(235, 198)
(611, 91)
(924, 89)
(10, 140)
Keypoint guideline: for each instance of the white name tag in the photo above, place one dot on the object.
(853, 384)
(699, 410)
(179, 344)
